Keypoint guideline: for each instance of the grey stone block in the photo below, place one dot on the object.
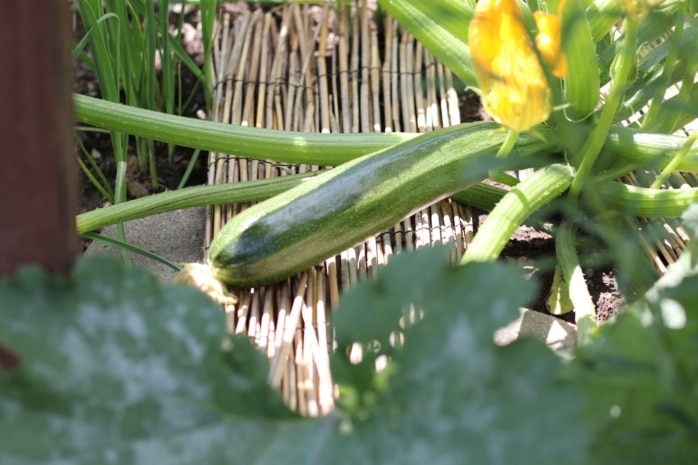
(177, 236)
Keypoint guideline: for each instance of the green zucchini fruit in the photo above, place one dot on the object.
(337, 209)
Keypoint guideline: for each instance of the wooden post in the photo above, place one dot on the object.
(38, 182)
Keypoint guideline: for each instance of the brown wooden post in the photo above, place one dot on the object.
(38, 182)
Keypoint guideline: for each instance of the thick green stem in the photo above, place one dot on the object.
(591, 148)
(632, 147)
(268, 144)
(480, 195)
(313, 148)
(518, 204)
(665, 79)
(674, 164)
(584, 309)
(247, 191)
(645, 202)
(631, 200)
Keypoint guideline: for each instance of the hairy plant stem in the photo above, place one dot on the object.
(269, 144)
(324, 149)
(518, 204)
(674, 164)
(247, 191)
(567, 259)
(591, 148)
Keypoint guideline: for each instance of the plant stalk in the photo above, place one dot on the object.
(269, 144)
(518, 204)
(591, 148)
(584, 309)
(189, 197)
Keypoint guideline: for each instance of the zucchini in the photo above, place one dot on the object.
(337, 209)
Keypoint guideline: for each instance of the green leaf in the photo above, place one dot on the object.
(640, 372)
(450, 395)
(114, 366)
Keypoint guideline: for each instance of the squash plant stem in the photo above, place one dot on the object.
(503, 152)
(591, 148)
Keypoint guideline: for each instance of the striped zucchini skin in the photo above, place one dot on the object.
(337, 209)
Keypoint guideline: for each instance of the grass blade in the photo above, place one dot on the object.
(126, 247)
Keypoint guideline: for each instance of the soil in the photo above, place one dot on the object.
(529, 247)
(533, 248)
(170, 169)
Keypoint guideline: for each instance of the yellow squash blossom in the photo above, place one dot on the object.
(549, 41)
(515, 91)
(638, 9)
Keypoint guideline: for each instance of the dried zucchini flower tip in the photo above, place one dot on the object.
(203, 277)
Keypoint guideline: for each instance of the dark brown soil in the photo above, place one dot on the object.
(470, 108)
(170, 170)
(536, 249)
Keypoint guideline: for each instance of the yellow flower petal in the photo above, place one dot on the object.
(514, 88)
(549, 43)
(638, 9)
